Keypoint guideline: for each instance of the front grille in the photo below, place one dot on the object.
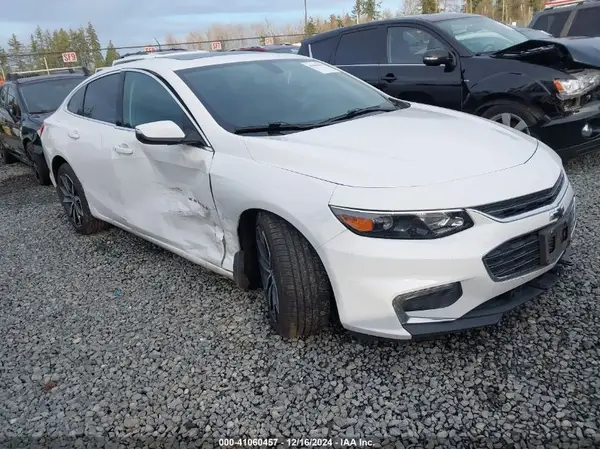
(514, 258)
(521, 255)
(523, 204)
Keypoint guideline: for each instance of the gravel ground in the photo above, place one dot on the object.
(110, 337)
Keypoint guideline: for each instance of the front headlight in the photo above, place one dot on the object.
(584, 81)
(404, 225)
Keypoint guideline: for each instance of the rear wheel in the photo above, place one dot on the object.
(7, 158)
(296, 286)
(512, 114)
(40, 168)
(71, 195)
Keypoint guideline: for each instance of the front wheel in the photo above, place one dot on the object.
(71, 195)
(514, 115)
(295, 284)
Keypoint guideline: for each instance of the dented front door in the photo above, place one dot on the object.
(167, 196)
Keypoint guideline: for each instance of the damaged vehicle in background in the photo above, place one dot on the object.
(26, 99)
(282, 172)
(548, 88)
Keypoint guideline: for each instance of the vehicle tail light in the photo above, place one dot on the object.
(41, 130)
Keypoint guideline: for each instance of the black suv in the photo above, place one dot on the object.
(549, 88)
(26, 99)
(569, 18)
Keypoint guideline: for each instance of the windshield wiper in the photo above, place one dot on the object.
(274, 128)
(355, 113)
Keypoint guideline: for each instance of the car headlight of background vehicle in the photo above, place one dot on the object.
(582, 83)
(423, 225)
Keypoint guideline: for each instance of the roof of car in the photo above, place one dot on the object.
(185, 60)
(42, 78)
(439, 17)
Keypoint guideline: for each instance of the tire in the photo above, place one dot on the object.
(7, 158)
(499, 111)
(289, 264)
(40, 168)
(72, 197)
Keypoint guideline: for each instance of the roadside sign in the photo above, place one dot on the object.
(269, 41)
(69, 56)
(149, 49)
(216, 46)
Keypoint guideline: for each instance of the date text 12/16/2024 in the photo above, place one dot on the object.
(340, 442)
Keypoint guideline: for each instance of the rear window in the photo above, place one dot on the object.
(552, 22)
(322, 49)
(586, 22)
(46, 96)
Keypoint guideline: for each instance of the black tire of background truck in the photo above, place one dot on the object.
(304, 290)
(40, 168)
(89, 224)
(526, 113)
(7, 158)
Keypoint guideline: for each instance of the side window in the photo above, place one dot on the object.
(145, 100)
(406, 45)
(552, 23)
(358, 47)
(323, 49)
(3, 92)
(11, 99)
(100, 101)
(586, 23)
(76, 102)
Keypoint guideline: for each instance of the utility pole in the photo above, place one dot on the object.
(305, 15)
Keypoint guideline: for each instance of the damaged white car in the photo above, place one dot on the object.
(287, 174)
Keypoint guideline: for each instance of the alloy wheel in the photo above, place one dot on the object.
(267, 274)
(512, 121)
(70, 200)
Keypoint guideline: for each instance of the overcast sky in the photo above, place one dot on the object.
(136, 22)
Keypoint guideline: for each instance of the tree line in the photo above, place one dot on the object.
(44, 47)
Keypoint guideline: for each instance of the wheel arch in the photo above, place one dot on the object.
(57, 161)
(500, 98)
(247, 262)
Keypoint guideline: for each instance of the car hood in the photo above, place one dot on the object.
(570, 52)
(39, 118)
(419, 145)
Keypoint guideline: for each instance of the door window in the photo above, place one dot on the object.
(100, 101)
(586, 23)
(359, 47)
(145, 100)
(406, 45)
(322, 49)
(76, 102)
(552, 23)
(11, 101)
(3, 94)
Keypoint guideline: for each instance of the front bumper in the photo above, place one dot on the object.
(367, 274)
(564, 135)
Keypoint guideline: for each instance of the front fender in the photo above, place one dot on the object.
(507, 85)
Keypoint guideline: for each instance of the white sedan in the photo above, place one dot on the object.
(282, 172)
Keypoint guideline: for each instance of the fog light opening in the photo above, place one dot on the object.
(427, 299)
(587, 130)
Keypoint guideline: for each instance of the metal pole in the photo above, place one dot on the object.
(305, 15)
(46, 64)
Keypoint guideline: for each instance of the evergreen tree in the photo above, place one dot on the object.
(429, 6)
(79, 44)
(357, 11)
(310, 28)
(111, 54)
(4, 62)
(15, 47)
(371, 9)
(93, 44)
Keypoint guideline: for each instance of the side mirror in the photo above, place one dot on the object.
(14, 110)
(438, 56)
(164, 132)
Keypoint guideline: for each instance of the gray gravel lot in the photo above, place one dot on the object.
(111, 337)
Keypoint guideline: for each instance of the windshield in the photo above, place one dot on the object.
(290, 91)
(47, 95)
(482, 34)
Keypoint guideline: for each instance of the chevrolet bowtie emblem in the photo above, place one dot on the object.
(557, 214)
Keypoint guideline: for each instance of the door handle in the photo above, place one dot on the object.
(390, 77)
(122, 149)
(74, 135)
